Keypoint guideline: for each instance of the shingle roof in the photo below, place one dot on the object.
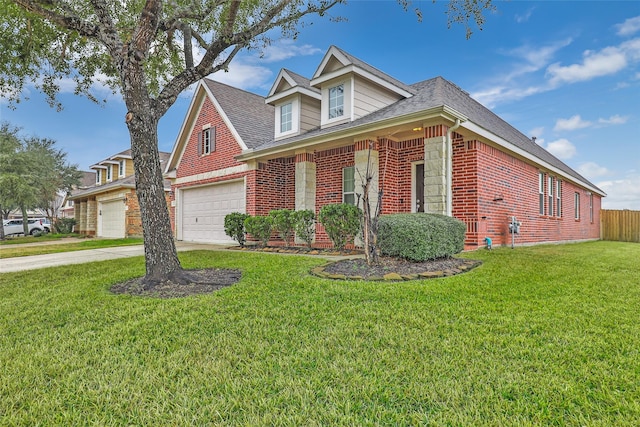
(437, 92)
(301, 81)
(251, 117)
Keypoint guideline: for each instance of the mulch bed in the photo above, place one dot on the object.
(394, 269)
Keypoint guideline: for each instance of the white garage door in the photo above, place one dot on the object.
(204, 209)
(111, 219)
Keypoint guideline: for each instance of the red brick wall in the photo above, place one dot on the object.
(507, 186)
(272, 186)
(225, 150)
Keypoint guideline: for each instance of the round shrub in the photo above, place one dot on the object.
(305, 225)
(420, 236)
(234, 226)
(283, 224)
(259, 227)
(341, 222)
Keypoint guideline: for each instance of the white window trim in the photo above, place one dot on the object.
(295, 118)
(550, 196)
(98, 176)
(109, 173)
(541, 180)
(122, 165)
(344, 193)
(347, 99)
(576, 206)
(558, 198)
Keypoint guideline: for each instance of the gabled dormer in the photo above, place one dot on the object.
(296, 102)
(113, 168)
(351, 88)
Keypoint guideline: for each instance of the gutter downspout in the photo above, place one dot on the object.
(449, 157)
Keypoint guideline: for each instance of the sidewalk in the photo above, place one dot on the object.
(33, 262)
(8, 265)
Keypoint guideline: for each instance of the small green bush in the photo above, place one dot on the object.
(64, 225)
(420, 236)
(259, 227)
(304, 223)
(341, 222)
(234, 227)
(283, 224)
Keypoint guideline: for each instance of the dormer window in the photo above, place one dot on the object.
(121, 169)
(98, 177)
(109, 168)
(336, 101)
(286, 117)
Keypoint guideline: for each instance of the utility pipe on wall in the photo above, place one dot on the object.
(449, 160)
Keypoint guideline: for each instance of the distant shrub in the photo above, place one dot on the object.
(283, 224)
(259, 227)
(341, 222)
(420, 236)
(64, 225)
(234, 227)
(304, 223)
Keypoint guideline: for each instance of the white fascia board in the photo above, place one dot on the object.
(225, 118)
(121, 156)
(281, 95)
(363, 73)
(109, 162)
(525, 154)
(98, 166)
(174, 156)
(281, 75)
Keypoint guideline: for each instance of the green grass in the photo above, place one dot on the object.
(546, 335)
(17, 250)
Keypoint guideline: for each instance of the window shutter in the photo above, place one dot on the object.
(212, 138)
(199, 143)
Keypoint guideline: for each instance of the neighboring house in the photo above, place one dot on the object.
(432, 148)
(68, 210)
(109, 208)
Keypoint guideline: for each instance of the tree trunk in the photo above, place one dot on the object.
(160, 252)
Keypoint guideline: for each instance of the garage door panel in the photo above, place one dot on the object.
(112, 218)
(204, 209)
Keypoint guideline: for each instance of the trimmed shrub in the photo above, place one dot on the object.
(64, 225)
(283, 224)
(341, 222)
(234, 227)
(259, 227)
(304, 224)
(420, 236)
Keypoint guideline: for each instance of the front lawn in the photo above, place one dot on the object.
(546, 335)
(58, 245)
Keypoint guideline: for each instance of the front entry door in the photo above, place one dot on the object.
(419, 188)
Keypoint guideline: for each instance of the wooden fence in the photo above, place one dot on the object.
(621, 226)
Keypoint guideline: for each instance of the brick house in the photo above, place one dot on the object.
(432, 148)
(109, 208)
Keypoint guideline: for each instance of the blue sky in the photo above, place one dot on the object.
(566, 72)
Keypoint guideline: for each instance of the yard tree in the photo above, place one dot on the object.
(32, 172)
(149, 51)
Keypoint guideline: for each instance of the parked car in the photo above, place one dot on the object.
(14, 226)
(45, 223)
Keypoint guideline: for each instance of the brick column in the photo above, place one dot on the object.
(91, 217)
(82, 219)
(362, 156)
(435, 175)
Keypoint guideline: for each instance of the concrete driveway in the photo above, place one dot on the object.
(33, 262)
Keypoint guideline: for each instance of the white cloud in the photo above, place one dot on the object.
(286, 49)
(572, 123)
(614, 120)
(628, 27)
(562, 149)
(592, 170)
(244, 76)
(622, 193)
(609, 60)
(537, 132)
(525, 17)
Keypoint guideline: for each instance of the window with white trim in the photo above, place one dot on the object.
(98, 176)
(550, 194)
(207, 141)
(121, 168)
(286, 117)
(349, 185)
(591, 208)
(541, 193)
(336, 101)
(576, 205)
(558, 198)
(109, 172)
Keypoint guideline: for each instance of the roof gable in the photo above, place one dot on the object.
(337, 63)
(249, 119)
(288, 83)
